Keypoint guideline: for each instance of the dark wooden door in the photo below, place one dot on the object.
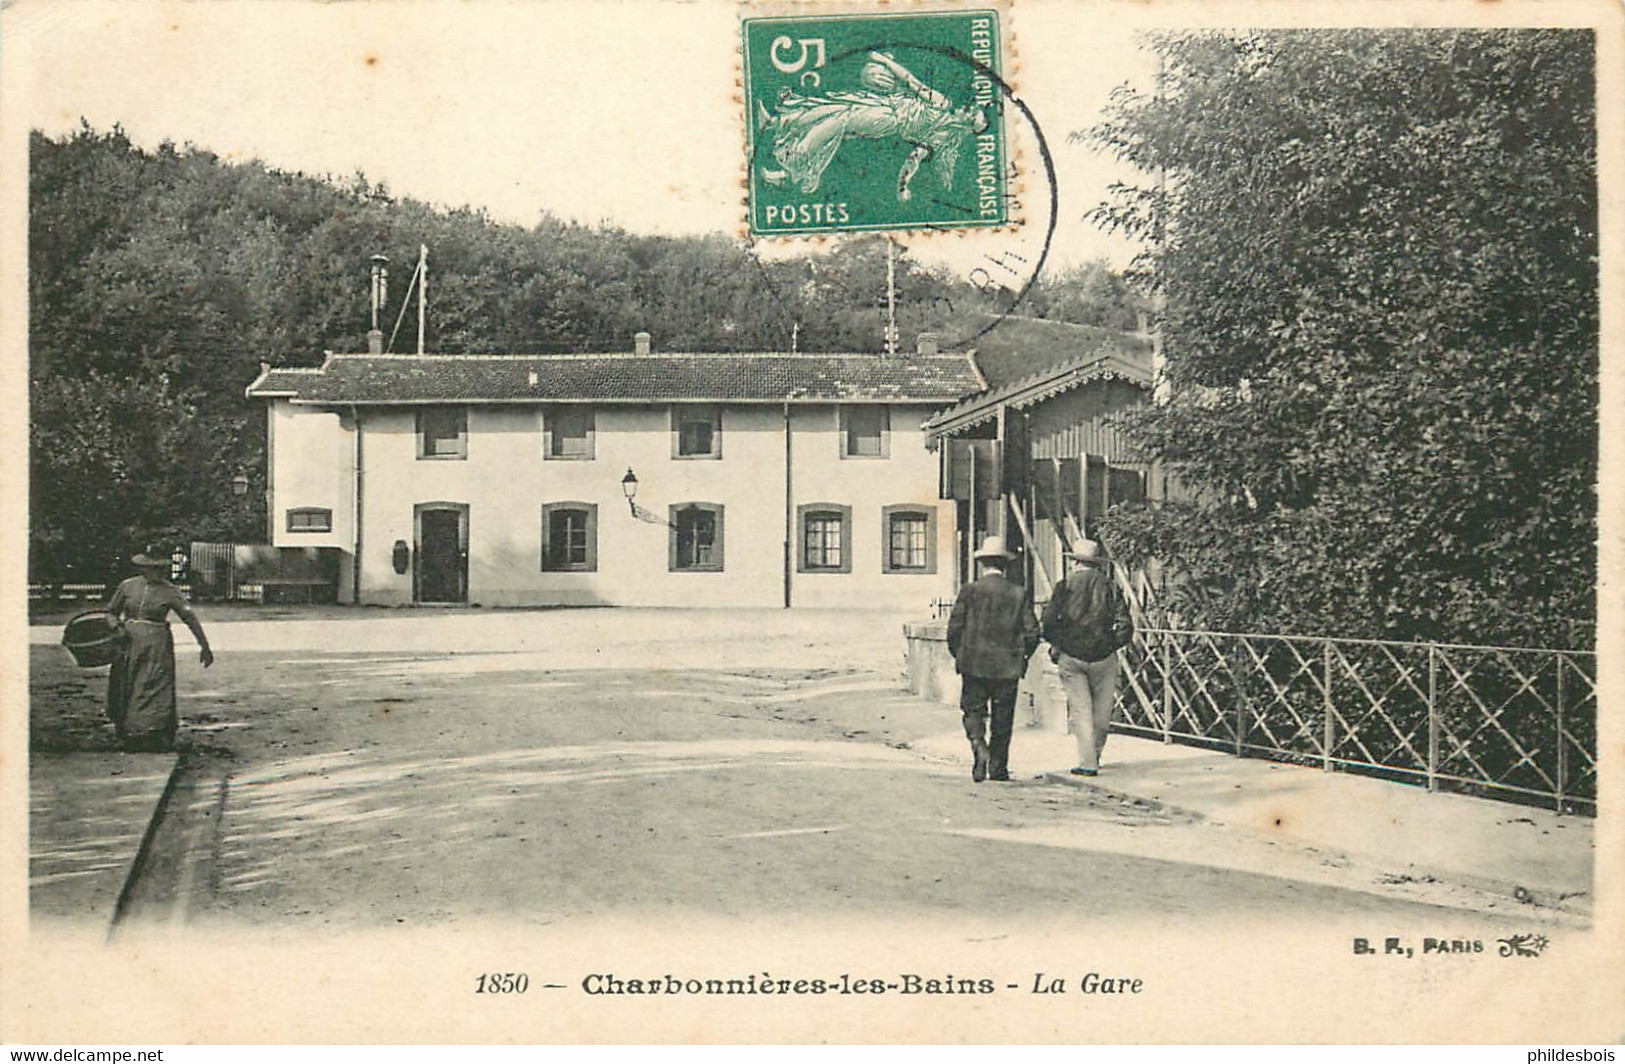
(442, 562)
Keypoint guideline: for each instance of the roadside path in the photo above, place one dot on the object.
(663, 764)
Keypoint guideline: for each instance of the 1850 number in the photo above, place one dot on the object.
(503, 983)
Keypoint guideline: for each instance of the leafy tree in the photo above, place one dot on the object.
(160, 280)
(116, 464)
(1377, 256)
(1090, 294)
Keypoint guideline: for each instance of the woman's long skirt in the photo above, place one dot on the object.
(141, 689)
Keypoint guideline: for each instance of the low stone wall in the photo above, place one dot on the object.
(1041, 693)
(1040, 703)
(930, 667)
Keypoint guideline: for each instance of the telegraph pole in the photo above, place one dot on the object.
(891, 296)
(423, 290)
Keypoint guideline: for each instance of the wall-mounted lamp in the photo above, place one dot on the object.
(239, 484)
(629, 488)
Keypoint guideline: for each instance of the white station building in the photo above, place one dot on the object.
(503, 480)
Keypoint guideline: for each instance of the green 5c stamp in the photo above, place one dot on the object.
(875, 122)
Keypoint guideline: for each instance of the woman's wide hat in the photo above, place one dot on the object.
(148, 558)
(993, 547)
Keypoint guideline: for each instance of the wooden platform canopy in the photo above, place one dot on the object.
(1041, 458)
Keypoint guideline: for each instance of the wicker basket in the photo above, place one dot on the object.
(93, 639)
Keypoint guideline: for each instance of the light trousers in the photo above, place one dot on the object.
(1091, 690)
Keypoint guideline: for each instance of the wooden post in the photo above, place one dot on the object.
(1000, 457)
(970, 542)
(891, 296)
(1167, 690)
(423, 290)
(1026, 535)
(1562, 744)
(1029, 506)
(1329, 738)
(1241, 712)
(1433, 718)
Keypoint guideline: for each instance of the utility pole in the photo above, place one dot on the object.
(423, 290)
(891, 296)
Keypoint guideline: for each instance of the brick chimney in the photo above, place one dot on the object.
(640, 343)
(926, 344)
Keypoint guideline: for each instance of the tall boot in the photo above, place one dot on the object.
(979, 759)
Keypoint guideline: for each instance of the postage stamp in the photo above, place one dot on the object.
(875, 122)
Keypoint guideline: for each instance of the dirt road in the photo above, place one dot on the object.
(425, 768)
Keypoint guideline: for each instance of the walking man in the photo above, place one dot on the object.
(991, 634)
(1085, 621)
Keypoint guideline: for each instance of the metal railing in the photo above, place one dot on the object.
(56, 591)
(86, 594)
(1504, 722)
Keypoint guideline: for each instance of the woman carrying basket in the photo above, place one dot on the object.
(141, 689)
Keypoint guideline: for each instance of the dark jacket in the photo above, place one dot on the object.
(1086, 615)
(992, 631)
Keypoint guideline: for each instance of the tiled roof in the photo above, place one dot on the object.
(387, 379)
(1017, 347)
(1133, 367)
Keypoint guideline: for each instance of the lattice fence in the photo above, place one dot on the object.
(1500, 721)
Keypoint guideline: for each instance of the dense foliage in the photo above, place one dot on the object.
(160, 280)
(1377, 257)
